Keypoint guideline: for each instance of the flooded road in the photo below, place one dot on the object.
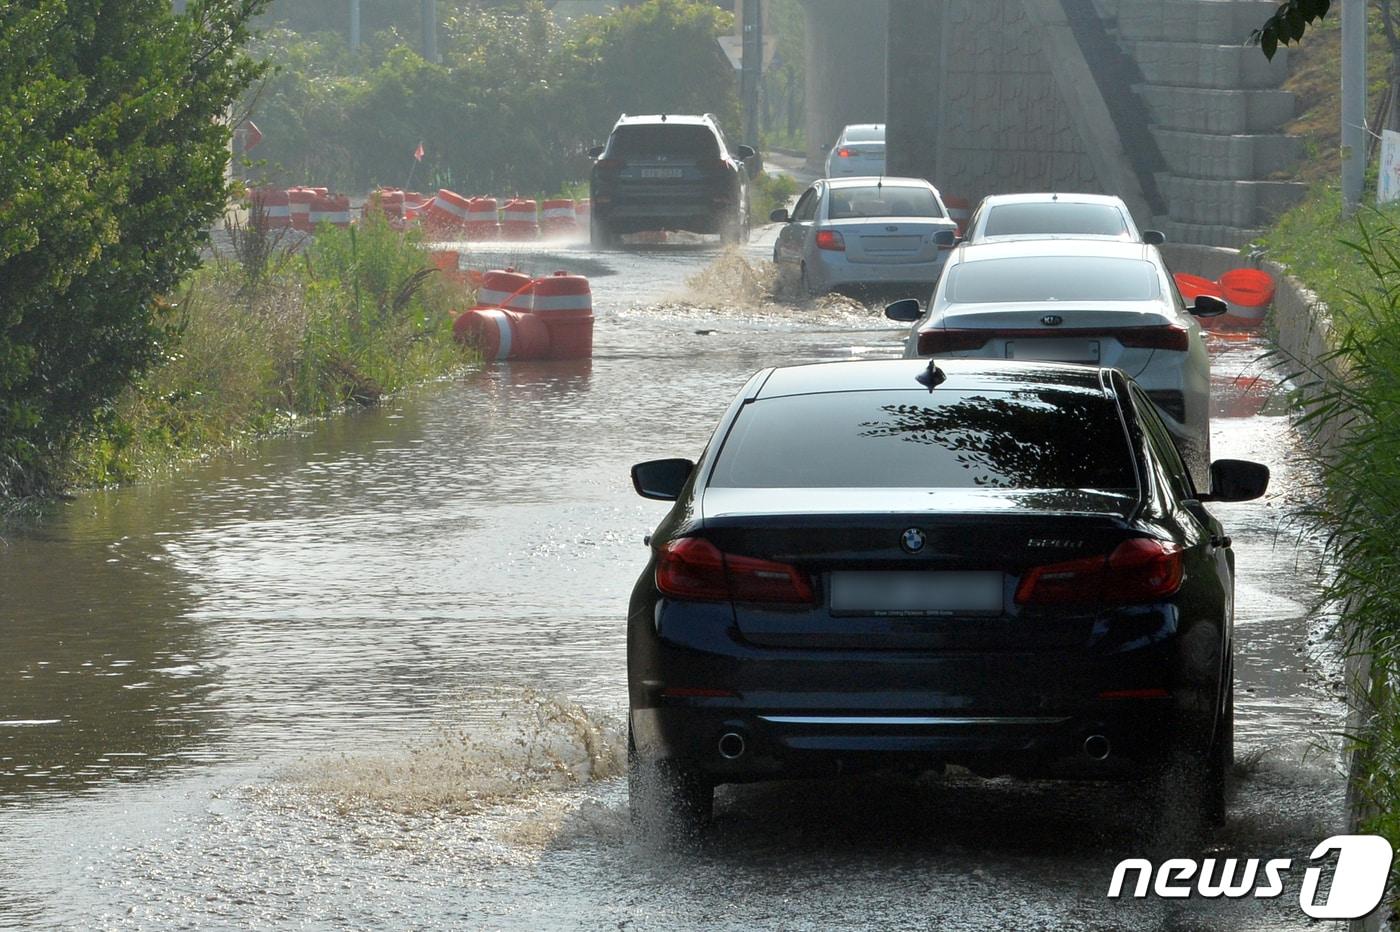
(372, 675)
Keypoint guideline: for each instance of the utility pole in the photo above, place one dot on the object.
(752, 67)
(354, 25)
(430, 30)
(1353, 102)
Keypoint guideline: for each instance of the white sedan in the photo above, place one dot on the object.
(1099, 302)
(859, 150)
(853, 232)
(1021, 216)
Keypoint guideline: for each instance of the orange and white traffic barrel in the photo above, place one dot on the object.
(583, 212)
(565, 303)
(482, 222)
(299, 208)
(275, 206)
(557, 218)
(519, 220)
(1249, 293)
(499, 334)
(447, 212)
(1193, 286)
(959, 211)
(329, 208)
(506, 288)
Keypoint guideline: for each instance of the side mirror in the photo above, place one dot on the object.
(945, 239)
(906, 311)
(779, 216)
(661, 479)
(595, 152)
(1154, 237)
(1236, 481)
(1208, 306)
(746, 152)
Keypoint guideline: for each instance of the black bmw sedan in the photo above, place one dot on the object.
(912, 564)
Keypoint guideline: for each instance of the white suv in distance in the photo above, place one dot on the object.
(1096, 302)
(859, 150)
(1021, 216)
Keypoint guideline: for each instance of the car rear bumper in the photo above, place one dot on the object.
(1113, 740)
(812, 711)
(830, 269)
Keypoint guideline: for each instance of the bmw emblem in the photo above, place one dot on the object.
(912, 540)
(1052, 320)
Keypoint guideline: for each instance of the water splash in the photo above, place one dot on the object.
(538, 743)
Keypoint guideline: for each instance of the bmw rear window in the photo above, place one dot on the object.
(1041, 438)
(1052, 278)
(1062, 218)
(649, 140)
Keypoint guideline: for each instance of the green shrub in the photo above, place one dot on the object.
(360, 313)
(1357, 401)
(769, 193)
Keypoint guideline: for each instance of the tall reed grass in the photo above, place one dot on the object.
(1354, 402)
(282, 330)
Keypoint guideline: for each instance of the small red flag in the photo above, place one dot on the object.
(251, 135)
(418, 153)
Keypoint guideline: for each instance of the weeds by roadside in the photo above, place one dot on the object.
(279, 333)
(769, 193)
(1353, 397)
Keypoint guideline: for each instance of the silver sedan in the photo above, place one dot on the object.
(853, 232)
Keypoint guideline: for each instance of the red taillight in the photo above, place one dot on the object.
(932, 342)
(1170, 337)
(694, 568)
(1138, 570)
(830, 239)
(847, 153)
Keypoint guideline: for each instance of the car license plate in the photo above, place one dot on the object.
(661, 173)
(891, 243)
(1057, 350)
(916, 593)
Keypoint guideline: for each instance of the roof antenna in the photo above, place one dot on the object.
(932, 376)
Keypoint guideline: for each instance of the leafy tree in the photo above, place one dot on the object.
(113, 147)
(1288, 23)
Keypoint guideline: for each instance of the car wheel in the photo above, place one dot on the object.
(1216, 787)
(666, 800)
(600, 237)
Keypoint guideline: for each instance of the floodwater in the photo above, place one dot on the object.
(371, 675)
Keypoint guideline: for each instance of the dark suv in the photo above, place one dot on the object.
(669, 172)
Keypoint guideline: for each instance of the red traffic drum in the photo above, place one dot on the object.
(565, 303)
(330, 208)
(501, 334)
(1248, 292)
(506, 288)
(299, 207)
(518, 220)
(959, 211)
(275, 206)
(447, 212)
(481, 219)
(1193, 286)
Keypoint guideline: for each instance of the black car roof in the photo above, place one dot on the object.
(961, 375)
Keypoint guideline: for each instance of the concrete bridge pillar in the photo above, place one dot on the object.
(845, 68)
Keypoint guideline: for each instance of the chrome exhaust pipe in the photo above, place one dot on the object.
(731, 745)
(1097, 747)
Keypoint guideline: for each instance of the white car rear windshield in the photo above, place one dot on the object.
(865, 134)
(882, 201)
(1052, 278)
(1057, 218)
(1037, 438)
